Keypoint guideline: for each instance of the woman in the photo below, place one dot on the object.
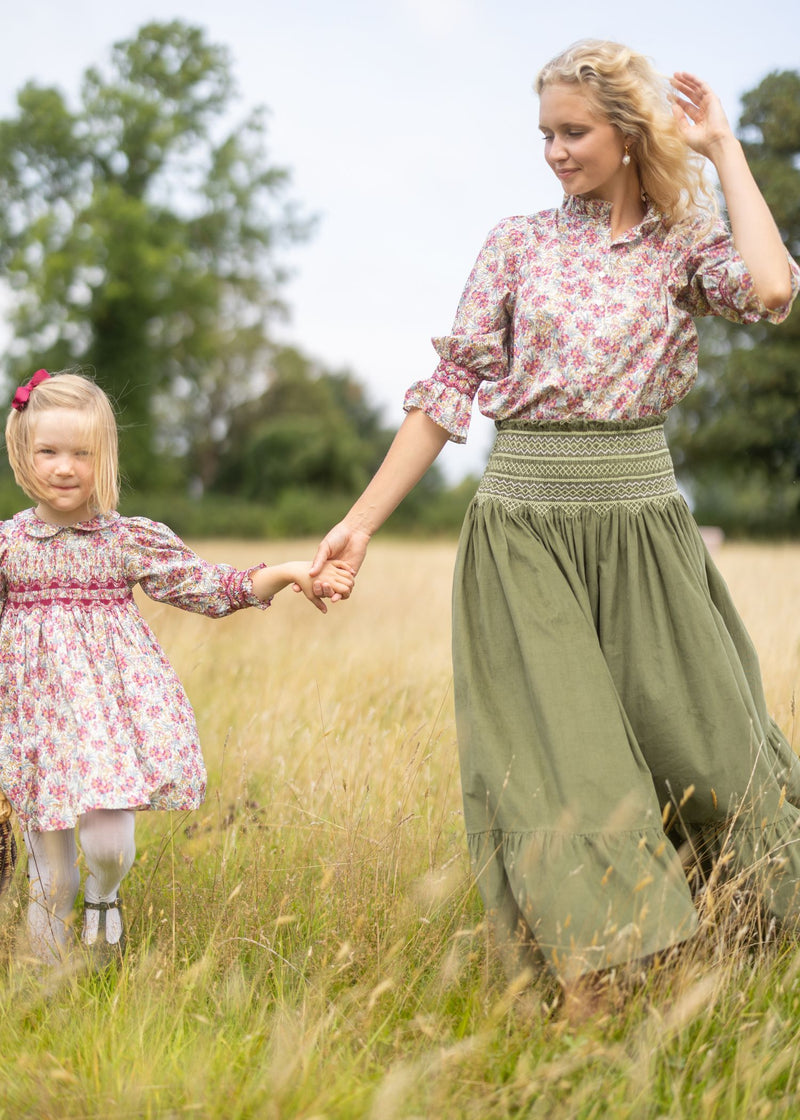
(608, 699)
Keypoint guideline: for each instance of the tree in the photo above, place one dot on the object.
(142, 239)
(736, 437)
(311, 429)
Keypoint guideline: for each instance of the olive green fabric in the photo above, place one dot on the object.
(602, 674)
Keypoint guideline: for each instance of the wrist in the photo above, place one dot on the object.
(291, 572)
(268, 581)
(361, 522)
(724, 147)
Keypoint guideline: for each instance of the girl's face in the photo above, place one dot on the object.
(583, 149)
(63, 466)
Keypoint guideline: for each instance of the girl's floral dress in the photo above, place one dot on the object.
(92, 714)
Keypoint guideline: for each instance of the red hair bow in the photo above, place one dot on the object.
(20, 400)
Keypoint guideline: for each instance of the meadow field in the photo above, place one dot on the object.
(310, 943)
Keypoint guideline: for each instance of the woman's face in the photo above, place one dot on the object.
(584, 150)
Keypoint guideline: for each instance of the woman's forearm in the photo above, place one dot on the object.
(416, 445)
(754, 231)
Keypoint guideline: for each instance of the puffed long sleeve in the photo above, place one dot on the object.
(711, 278)
(477, 349)
(168, 571)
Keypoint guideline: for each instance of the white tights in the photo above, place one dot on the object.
(107, 841)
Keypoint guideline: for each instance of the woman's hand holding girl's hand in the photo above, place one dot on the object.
(338, 575)
(344, 544)
(334, 575)
(699, 114)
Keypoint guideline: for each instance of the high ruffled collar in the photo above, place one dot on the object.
(599, 211)
(33, 526)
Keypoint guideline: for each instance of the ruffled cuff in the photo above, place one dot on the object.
(474, 357)
(465, 361)
(731, 292)
(738, 292)
(239, 589)
(778, 314)
(447, 406)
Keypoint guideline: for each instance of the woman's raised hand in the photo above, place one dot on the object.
(705, 127)
(699, 114)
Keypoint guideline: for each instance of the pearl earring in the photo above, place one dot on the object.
(626, 159)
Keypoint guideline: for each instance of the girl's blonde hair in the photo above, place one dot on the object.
(625, 88)
(79, 393)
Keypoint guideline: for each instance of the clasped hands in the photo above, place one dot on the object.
(342, 545)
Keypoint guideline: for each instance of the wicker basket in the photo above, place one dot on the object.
(8, 845)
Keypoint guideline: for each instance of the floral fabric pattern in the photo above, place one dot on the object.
(92, 714)
(560, 321)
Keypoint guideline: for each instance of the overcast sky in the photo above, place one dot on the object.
(410, 128)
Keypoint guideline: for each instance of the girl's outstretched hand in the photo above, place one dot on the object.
(699, 114)
(269, 580)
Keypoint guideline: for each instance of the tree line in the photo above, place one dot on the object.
(736, 437)
(143, 236)
(144, 239)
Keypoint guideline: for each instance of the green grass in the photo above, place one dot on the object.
(310, 943)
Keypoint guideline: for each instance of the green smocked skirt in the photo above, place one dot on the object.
(608, 701)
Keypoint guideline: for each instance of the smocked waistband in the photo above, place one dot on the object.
(581, 467)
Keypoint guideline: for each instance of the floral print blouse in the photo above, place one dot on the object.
(558, 320)
(92, 715)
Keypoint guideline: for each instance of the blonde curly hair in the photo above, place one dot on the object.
(624, 87)
(72, 391)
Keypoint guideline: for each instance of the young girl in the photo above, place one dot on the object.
(94, 723)
(608, 700)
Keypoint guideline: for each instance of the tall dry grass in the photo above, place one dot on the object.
(765, 583)
(310, 944)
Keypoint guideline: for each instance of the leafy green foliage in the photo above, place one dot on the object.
(142, 240)
(310, 443)
(309, 428)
